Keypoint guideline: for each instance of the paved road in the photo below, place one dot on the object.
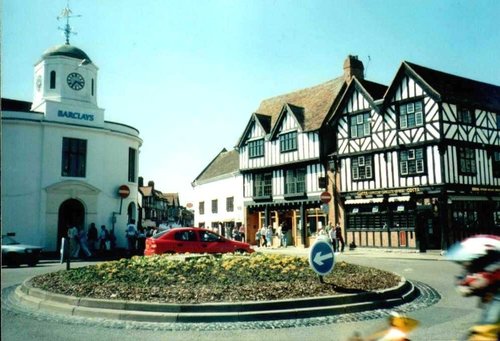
(446, 320)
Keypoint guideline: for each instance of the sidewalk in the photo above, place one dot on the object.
(434, 255)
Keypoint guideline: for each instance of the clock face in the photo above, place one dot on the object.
(75, 81)
(39, 83)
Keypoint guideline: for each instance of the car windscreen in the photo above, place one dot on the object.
(6, 240)
(159, 234)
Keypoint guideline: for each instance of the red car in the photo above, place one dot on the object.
(192, 240)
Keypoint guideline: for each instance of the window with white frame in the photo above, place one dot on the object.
(295, 181)
(201, 207)
(360, 125)
(466, 161)
(411, 114)
(361, 167)
(411, 161)
(215, 206)
(256, 148)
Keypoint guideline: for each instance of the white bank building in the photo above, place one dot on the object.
(62, 162)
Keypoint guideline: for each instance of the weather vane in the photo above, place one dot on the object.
(67, 13)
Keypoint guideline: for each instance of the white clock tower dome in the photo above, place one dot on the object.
(65, 82)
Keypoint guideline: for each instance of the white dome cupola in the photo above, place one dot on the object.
(65, 78)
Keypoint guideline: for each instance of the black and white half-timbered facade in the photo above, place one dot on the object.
(419, 165)
(282, 159)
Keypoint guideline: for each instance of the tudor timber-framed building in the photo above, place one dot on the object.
(419, 166)
(282, 158)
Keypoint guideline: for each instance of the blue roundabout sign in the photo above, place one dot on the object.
(321, 257)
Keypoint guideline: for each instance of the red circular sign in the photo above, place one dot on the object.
(123, 191)
(325, 197)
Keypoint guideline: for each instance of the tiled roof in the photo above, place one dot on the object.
(146, 190)
(459, 89)
(316, 101)
(226, 162)
(173, 198)
(376, 90)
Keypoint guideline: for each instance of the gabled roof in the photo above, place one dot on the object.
(450, 88)
(371, 91)
(173, 198)
(263, 120)
(316, 101)
(226, 162)
(296, 111)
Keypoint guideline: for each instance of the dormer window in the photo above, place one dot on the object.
(256, 148)
(466, 116)
(288, 142)
(360, 125)
(411, 115)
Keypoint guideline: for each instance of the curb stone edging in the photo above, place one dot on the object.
(215, 312)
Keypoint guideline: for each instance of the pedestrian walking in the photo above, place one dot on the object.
(269, 236)
(242, 233)
(284, 234)
(333, 238)
(74, 244)
(141, 241)
(131, 235)
(82, 239)
(92, 236)
(103, 239)
(340, 239)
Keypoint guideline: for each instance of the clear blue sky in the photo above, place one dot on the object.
(188, 74)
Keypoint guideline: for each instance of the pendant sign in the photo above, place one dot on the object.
(321, 257)
(123, 191)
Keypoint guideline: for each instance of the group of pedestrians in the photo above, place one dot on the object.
(265, 235)
(136, 239)
(89, 242)
(335, 235)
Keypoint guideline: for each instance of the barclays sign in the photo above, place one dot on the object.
(75, 115)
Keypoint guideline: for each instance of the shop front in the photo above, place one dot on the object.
(301, 220)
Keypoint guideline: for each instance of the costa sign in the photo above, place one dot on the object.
(123, 191)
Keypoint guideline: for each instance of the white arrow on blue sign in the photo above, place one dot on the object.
(321, 257)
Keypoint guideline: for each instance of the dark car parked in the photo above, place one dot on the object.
(15, 253)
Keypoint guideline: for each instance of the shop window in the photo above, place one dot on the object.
(465, 215)
(288, 142)
(411, 115)
(467, 161)
(74, 157)
(366, 217)
(411, 161)
(360, 125)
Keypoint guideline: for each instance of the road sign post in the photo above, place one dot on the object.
(322, 258)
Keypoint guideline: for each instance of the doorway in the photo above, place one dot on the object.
(71, 212)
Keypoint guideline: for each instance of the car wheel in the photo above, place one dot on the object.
(240, 251)
(33, 262)
(12, 260)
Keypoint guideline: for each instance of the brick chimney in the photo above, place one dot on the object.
(353, 67)
(141, 181)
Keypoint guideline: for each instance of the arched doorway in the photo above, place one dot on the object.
(131, 212)
(71, 212)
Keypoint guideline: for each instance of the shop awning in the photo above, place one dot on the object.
(402, 198)
(468, 198)
(363, 201)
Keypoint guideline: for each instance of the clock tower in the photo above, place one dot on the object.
(65, 83)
